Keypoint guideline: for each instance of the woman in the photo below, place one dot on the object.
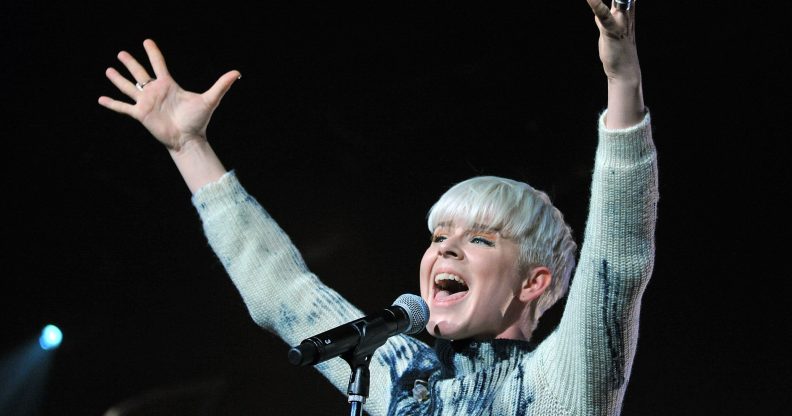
(500, 255)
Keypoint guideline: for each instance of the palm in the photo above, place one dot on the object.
(172, 114)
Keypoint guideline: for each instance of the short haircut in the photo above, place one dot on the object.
(520, 213)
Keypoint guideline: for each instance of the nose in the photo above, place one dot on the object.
(449, 249)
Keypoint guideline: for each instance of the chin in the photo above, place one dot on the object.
(446, 330)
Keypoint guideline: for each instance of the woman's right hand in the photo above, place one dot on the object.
(174, 116)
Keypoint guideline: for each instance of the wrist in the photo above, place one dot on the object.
(188, 144)
(625, 103)
(629, 80)
(197, 162)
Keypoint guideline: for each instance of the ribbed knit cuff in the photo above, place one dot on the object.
(225, 190)
(624, 147)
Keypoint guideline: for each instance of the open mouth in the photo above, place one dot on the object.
(449, 287)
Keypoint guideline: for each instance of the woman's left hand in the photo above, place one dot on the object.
(617, 49)
(619, 58)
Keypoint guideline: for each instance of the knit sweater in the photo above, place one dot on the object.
(582, 367)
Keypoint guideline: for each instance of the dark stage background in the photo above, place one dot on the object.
(347, 123)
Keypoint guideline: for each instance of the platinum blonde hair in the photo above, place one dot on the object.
(518, 212)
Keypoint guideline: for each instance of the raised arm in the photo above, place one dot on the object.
(587, 361)
(619, 58)
(175, 117)
(281, 294)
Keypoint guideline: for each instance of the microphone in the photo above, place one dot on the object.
(408, 314)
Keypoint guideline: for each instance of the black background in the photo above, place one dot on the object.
(349, 121)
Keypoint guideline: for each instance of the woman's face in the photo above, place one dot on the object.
(471, 281)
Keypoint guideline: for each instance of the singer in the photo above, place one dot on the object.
(500, 255)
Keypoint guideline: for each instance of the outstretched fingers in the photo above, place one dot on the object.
(615, 21)
(603, 13)
(138, 72)
(156, 58)
(121, 83)
(214, 94)
(124, 86)
(117, 106)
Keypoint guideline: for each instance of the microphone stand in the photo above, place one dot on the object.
(358, 388)
(359, 358)
(366, 335)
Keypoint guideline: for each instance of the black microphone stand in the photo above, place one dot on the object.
(358, 389)
(359, 359)
(366, 335)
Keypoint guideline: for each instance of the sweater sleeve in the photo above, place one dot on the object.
(281, 294)
(586, 362)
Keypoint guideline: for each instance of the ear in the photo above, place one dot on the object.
(535, 283)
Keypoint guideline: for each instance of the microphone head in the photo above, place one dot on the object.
(417, 311)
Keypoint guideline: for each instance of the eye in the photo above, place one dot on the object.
(482, 240)
(438, 238)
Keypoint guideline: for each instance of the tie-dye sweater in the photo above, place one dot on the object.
(582, 367)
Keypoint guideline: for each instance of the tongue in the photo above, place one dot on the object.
(443, 294)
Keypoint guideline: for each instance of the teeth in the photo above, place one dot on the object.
(448, 276)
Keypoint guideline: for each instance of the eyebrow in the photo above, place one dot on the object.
(475, 228)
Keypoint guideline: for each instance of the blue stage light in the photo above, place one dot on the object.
(51, 337)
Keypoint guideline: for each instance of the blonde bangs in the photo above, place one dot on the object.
(487, 202)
